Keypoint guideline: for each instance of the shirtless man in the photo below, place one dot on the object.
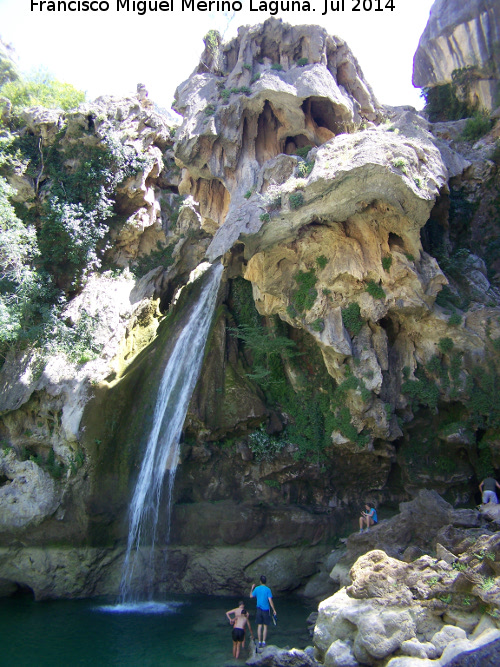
(239, 618)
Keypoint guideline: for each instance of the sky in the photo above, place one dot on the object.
(109, 52)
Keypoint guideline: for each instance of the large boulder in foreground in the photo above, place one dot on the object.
(412, 614)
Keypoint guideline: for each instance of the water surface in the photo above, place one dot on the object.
(182, 631)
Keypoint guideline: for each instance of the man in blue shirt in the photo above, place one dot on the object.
(264, 599)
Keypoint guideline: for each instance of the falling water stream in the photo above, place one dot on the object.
(162, 449)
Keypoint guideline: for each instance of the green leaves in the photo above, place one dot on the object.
(41, 89)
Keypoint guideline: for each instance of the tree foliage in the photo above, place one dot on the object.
(41, 89)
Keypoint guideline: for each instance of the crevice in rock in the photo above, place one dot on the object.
(248, 144)
(396, 484)
(213, 199)
(267, 145)
(434, 234)
(391, 329)
(4, 480)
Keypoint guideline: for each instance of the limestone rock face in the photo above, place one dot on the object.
(461, 35)
(286, 88)
(27, 495)
(410, 609)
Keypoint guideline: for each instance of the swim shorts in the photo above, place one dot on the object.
(238, 634)
(263, 617)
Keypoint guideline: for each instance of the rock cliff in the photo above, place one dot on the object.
(354, 350)
(461, 38)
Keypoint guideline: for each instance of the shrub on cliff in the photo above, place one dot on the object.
(41, 89)
(477, 126)
(450, 101)
(19, 281)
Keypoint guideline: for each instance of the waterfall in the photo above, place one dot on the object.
(162, 449)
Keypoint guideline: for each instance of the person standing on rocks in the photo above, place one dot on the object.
(488, 490)
(368, 517)
(264, 598)
(239, 618)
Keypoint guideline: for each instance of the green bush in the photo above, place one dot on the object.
(477, 126)
(302, 62)
(21, 286)
(248, 194)
(321, 261)
(422, 390)
(265, 447)
(445, 345)
(277, 66)
(387, 262)
(296, 200)
(41, 89)
(455, 320)
(209, 110)
(74, 214)
(304, 168)
(449, 101)
(264, 217)
(71, 221)
(304, 298)
(351, 318)
(303, 152)
(255, 77)
(375, 290)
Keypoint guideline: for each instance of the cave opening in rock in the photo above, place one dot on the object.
(4, 480)
(292, 143)
(269, 48)
(22, 591)
(320, 114)
(396, 243)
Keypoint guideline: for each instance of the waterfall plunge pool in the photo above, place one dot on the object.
(181, 631)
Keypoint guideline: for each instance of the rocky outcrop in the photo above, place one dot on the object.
(461, 36)
(425, 609)
(285, 88)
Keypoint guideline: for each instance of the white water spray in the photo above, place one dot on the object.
(162, 449)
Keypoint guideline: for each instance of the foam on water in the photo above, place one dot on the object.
(147, 607)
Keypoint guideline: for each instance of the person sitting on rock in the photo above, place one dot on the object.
(240, 619)
(487, 488)
(368, 518)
